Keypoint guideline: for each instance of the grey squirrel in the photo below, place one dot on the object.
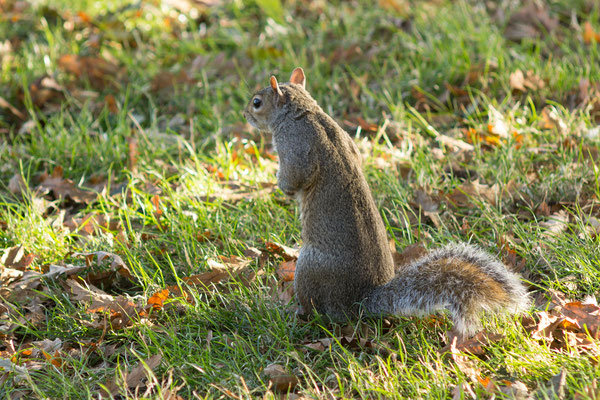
(345, 262)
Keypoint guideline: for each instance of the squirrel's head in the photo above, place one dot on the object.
(267, 104)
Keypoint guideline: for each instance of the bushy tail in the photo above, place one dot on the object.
(460, 278)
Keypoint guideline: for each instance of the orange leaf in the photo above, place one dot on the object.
(111, 104)
(484, 380)
(589, 35)
(55, 359)
(84, 17)
(156, 202)
(157, 300)
(286, 270)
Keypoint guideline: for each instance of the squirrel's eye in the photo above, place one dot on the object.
(256, 102)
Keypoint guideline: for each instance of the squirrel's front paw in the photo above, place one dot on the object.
(288, 192)
(286, 188)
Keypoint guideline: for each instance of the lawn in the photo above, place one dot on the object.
(146, 251)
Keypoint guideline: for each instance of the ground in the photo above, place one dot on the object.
(147, 251)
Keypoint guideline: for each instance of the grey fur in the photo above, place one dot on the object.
(345, 259)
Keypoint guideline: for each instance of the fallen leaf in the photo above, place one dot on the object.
(589, 34)
(496, 123)
(356, 122)
(228, 267)
(410, 253)
(523, 83)
(591, 391)
(111, 104)
(11, 108)
(166, 80)
(98, 71)
(463, 391)
(64, 188)
(122, 311)
(555, 225)
(531, 21)
(469, 192)
(464, 364)
(281, 380)
(286, 270)
(551, 119)
(106, 269)
(46, 93)
(514, 390)
(554, 388)
(17, 185)
(283, 292)
(15, 258)
(134, 378)
(287, 253)
(157, 299)
(586, 317)
(474, 345)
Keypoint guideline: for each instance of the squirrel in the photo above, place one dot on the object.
(345, 264)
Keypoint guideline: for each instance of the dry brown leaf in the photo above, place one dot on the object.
(550, 119)
(591, 391)
(90, 294)
(469, 192)
(205, 279)
(98, 71)
(46, 93)
(92, 224)
(531, 21)
(473, 345)
(111, 104)
(545, 327)
(466, 365)
(288, 253)
(233, 192)
(226, 268)
(524, 83)
(59, 270)
(121, 310)
(15, 258)
(283, 292)
(554, 388)
(463, 391)
(352, 342)
(21, 286)
(555, 225)
(586, 317)
(355, 122)
(568, 325)
(17, 185)
(134, 378)
(514, 390)
(11, 108)
(166, 80)
(287, 270)
(64, 188)
(106, 269)
(281, 380)
(410, 253)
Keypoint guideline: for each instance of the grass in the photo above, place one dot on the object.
(391, 67)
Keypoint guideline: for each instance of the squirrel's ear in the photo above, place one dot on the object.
(275, 87)
(298, 77)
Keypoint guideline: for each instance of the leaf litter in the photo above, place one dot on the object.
(531, 20)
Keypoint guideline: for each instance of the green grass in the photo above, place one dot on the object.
(359, 63)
